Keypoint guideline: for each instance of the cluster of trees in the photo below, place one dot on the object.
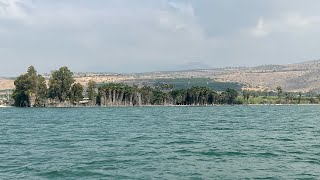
(125, 95)
(32, 90)
(279, 96)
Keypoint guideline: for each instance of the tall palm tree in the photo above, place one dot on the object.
(299, 98)
(279, 90)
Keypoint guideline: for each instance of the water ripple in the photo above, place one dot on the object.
(239, 142)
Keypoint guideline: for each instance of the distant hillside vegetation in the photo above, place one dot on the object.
(184, 83)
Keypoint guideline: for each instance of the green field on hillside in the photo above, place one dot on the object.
(184, 83)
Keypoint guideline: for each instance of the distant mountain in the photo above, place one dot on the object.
(310, 62)
(299, 77)
(194, 65)
(186, 66)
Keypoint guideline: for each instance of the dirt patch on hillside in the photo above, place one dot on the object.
(6, 84)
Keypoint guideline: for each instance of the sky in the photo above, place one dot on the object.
(151, 35)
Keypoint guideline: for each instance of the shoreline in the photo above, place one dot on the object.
(217, 105)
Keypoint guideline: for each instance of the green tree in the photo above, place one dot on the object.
(286, 96)
(60, 84)
(76, 93)
(279, 91)
(121, 94)
(30, 89)
(246, 96)
(231, 95)
(22, 91)
(32, 75)
(299, 97)
(147, 95)
(91, 90)
(41, 91)
(318, 96)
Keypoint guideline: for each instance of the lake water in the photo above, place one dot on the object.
(222, 142)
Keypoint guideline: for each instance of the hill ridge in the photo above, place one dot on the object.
(296, 77)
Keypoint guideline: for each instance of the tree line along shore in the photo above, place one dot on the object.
(61, 90)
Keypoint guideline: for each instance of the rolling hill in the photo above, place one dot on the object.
(300, 77)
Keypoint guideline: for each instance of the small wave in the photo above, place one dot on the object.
(285, 139)
(173, 158)
(67, 173)
(183, 151)
(295, 152)
(219, 153)
(313, 161)
(270, 177)
(182, 142)
(222, 129)
(315, 146)
(266, 154)
(54, 174)
(136, 139)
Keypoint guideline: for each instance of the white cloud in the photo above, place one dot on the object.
(288, 23)
(13, 9)
(110, 36)
(143, 34)
(183, 8)
(298, 21)
(260, 30)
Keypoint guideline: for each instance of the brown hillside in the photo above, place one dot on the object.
(302, 77)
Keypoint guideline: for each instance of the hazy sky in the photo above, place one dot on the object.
(148, 35)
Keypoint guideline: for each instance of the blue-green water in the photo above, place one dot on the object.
(227, 142)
